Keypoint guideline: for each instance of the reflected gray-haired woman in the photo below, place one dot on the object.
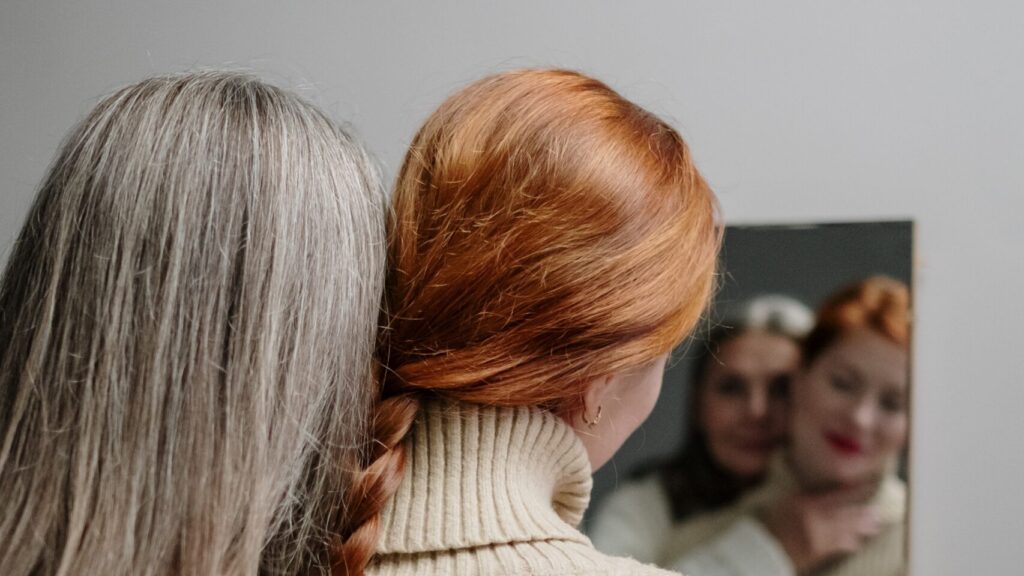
(191, 301)
(735, 421)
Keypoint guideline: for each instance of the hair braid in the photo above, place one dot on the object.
(374, 484)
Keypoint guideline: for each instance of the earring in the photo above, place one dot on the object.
(597, 417)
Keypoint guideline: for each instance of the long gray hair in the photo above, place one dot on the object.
(186, 330)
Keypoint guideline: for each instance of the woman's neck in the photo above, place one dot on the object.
(814, 481)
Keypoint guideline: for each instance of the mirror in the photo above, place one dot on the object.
(778, 444)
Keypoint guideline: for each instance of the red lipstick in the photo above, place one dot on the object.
(845, 445)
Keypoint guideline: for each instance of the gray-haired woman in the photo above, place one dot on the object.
(190, 303)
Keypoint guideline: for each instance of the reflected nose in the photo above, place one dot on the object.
(757, 404)
(864, 414)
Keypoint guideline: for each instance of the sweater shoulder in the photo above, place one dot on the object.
(536, 558)
(633, 568)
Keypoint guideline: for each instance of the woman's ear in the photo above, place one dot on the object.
(614, 406)
(594, 398)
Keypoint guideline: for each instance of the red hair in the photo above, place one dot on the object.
(879, 303)
(545, 232)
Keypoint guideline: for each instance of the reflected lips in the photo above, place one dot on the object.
(843, 444)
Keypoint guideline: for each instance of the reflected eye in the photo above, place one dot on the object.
(731, 385)
(778, 388)
(892, 403)
(843, 383)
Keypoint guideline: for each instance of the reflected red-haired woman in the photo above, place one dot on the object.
(550, 243)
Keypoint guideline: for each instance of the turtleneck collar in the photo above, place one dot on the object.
(479, 476)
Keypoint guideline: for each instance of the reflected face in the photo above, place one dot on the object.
(742, 409)
(850, 411)
(626, 400)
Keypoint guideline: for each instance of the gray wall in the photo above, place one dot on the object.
(796, 111)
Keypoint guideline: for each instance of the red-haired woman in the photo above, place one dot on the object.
(550, 243)
(833, 505)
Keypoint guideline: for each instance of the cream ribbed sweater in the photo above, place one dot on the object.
(492, 491)
(733, 542)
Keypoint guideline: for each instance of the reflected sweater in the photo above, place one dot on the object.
(492, 491)
(733, 542)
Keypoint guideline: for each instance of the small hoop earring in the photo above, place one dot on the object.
(597, 417)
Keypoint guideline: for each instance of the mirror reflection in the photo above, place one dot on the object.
(778, 446)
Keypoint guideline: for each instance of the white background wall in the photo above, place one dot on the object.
(796, 111)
